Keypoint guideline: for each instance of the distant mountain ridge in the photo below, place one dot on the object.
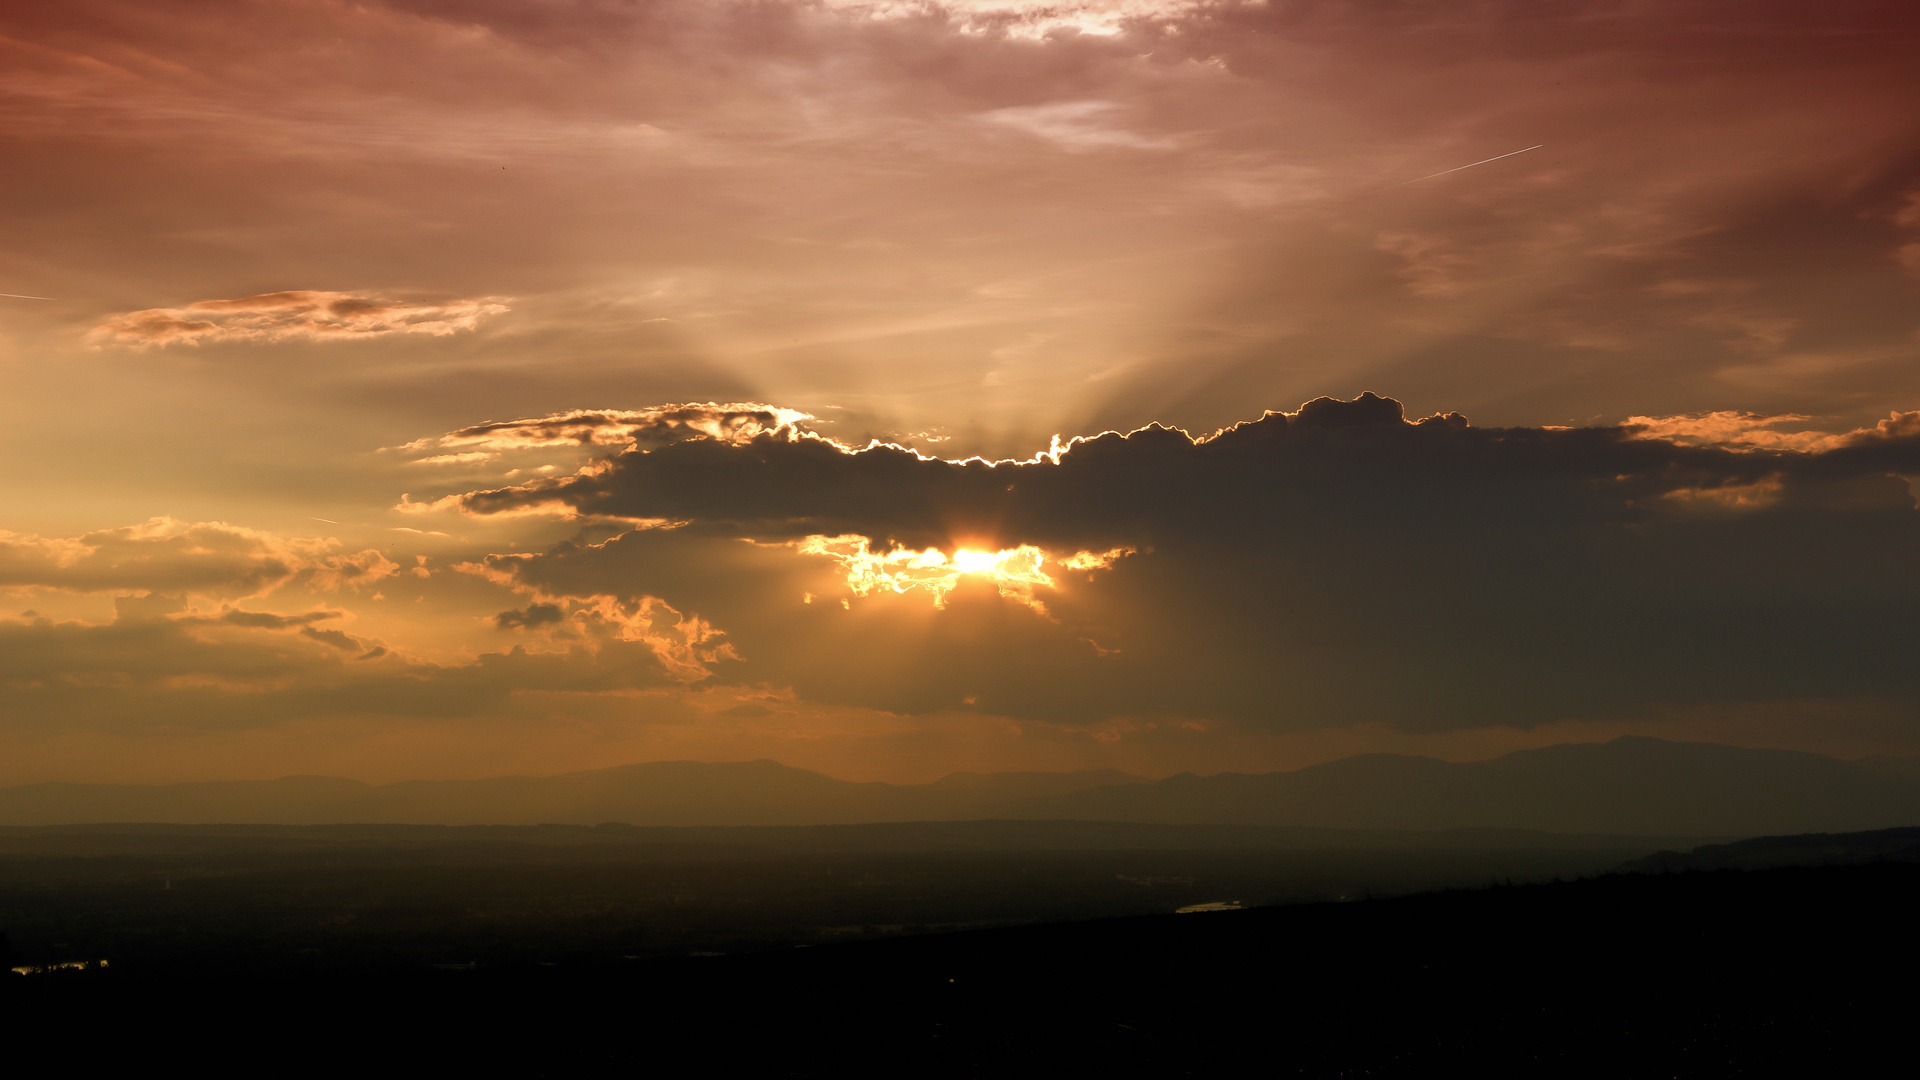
(1768, 852)
(654, 793)
(1630, 786)
(1633, 785)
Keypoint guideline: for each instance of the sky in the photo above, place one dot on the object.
(895, 387)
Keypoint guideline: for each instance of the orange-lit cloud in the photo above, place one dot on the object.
(296, 315)
(1753, 496)
(1742, 430)
(1733, 429)
(687, 646)
(624, 429)
(209, 558)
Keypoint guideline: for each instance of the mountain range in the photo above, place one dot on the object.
(1630, 786)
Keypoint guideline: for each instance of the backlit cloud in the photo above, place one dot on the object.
(1335, 564)
(624, 429)
(1112, 489)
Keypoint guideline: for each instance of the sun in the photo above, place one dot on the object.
(978, 562)
(1016, 571)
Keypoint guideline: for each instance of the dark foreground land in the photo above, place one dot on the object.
(251, 900)
(1797, 970)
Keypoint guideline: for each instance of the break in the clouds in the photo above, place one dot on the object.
(284, 316)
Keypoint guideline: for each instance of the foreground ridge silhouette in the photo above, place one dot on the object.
(1723, 973)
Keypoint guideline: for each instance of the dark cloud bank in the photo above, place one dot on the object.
(1333, 565)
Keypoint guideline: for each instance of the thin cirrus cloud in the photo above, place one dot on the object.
(290, 316)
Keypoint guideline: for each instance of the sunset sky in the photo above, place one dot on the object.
(444, 389)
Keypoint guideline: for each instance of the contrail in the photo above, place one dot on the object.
(21, 296)
(1444, 172)
(329, 521)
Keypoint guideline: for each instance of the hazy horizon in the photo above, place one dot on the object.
(1867, 760)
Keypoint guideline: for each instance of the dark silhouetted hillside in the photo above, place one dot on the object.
(1790, 972)
(1769, 852)
(1891, 765)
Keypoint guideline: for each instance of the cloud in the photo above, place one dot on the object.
(533, 615)
(156, 670)
(163, 555)
(286, 316)
(267, 620)
(688, 647)
(1734, 430)
(335, 638)
(1897, 426)
(1744, 430)
(1335, 564)
(1036, 19)
(1076, 126)
(1094, 492)
(624, 429)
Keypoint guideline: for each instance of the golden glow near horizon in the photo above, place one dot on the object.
(1016, 572)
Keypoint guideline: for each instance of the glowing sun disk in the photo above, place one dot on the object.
(978, 562)
(1016, 572)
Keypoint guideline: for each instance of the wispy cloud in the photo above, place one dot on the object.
(164, 555)
(1036, 18)
(293, 315)
(1733, 430)
(1077, 126)
(626, 429)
